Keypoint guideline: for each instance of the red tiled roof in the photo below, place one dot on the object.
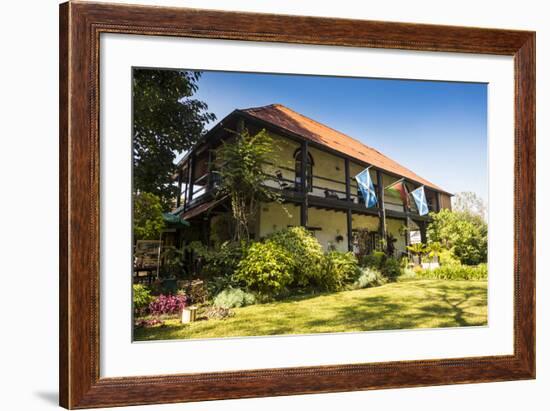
(296, 123)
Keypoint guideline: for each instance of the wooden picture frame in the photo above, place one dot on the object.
(80, 27)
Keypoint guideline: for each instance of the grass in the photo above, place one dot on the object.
(401, 305)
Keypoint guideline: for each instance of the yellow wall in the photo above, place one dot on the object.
(273, 217)
(328, 166)
(392, 227)
(332, 224)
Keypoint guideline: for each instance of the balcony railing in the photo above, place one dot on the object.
(321, 188)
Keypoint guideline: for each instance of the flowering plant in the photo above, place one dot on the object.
(168, 304)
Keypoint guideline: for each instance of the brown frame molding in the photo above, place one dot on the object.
(80, 28)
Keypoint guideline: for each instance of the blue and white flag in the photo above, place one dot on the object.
(420, 199)
(367, 187)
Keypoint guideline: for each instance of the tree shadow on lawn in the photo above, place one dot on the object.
(405, 306)
(443, 306)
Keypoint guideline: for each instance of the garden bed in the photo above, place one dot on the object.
(400, 305)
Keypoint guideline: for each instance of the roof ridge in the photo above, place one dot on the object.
(331, 128)
(282, 108)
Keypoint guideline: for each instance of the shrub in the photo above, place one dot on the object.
(305, 251)
(409, 274)
(456, 272)
(374, 260)
(141, 297)
(266, 268)
(233, 297)
(196, 291)
(446, 257)
(369, 277)
(168, 304)
(221, 261)
(391, 269)
(339, 269)
(464, 233)
(216, 285)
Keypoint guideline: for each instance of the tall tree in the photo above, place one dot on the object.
(243, 176)
(167, 121)
(461, 232)
(468, 201)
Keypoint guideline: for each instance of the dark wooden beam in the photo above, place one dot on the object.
(191, 177)
(348, 182)
(303, 184)
(178, 199)
(350, 229)
(381, 204)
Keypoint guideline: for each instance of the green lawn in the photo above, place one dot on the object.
(401, 305)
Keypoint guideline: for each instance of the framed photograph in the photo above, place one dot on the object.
(259, 205)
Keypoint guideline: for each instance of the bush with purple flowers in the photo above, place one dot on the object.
(168, 304)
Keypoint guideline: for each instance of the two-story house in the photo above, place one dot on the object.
(314, 173)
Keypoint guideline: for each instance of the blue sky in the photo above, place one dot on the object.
(437, 129)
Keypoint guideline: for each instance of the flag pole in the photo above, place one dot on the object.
(394, 183)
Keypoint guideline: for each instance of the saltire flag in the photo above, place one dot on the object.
(420, 199)
(400, 189)
(366, 187)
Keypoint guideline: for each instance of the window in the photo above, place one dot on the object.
(298, 170)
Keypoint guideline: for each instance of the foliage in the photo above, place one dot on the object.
(338, 270)
(400, 305)
(168, 304)
(173, 262)
(434, 250)
(456, 272)
(463, 233)
(306, 253)
(267, 268)
(141, 297)
(196, 291)
(362, 238)
(148, 221)
(446, 257)
(374, 260)
(389, 267)
(242, 177)
(390, 244)
(234, 297)
(221, 261)
(148, 322)
(166, 121)
(418, 249)
(218, 313)
(369, 277)
(216, 285)
(469, 202)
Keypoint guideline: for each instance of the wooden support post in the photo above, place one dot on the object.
(178, 199)
(408, 225)
(350, 230)
(348, 198)
(209, 183)
(381, 205)
(186, 191)
(347, 176)
(437, 201)
(191, 177)
(303, 184)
